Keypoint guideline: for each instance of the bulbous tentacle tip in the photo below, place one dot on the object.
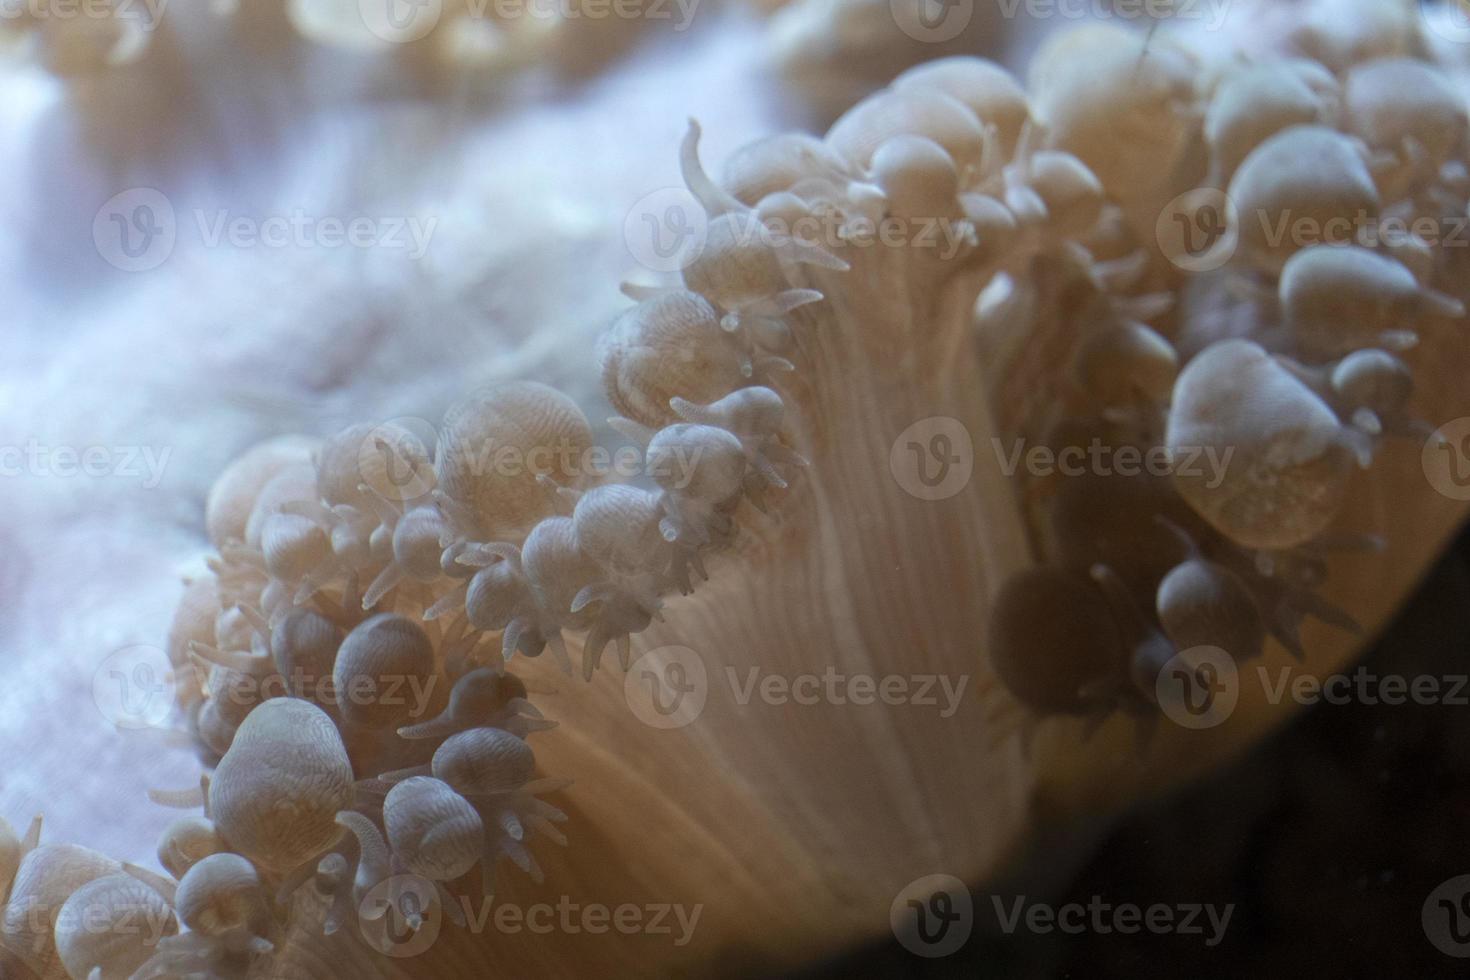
(597, 640)
(312, 510)
(690, 412)
(638, 292)
(1314, 605)
(387, 580)
(1366, 421)
(32, 838)
(165, 887)
(786, 301)
(636, 432)
(1442, 305)
(711, 196)
(521, 857)
(439, 726)
(548, 830)
(384, 510)
(461, 519)
(450, 602)
(206, 656)
(768, 472)
(522, 727)
(181, 799)
(558, 648)
(597, 592)
(510, 638)
(450, 906)
(512, 825)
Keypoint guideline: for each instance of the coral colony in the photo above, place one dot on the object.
(1050, 262)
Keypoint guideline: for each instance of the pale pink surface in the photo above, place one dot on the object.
(221, 347)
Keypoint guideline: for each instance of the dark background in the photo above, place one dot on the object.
(1328, 838)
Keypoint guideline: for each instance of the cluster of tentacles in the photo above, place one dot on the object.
(1237, 337)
